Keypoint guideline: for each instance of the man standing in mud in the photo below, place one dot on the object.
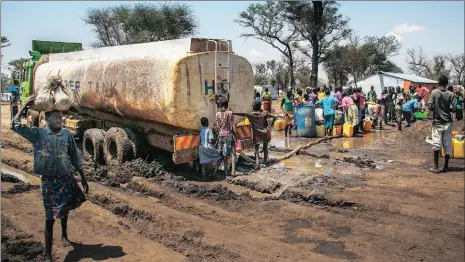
(443, 103)
(56, 158)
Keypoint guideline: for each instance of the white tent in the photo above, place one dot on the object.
(385, 79)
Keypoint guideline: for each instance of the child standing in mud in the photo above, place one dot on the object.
(207, 151)
(56, 158)
(261, 131)
(225, 124)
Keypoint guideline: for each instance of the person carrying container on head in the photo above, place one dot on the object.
(56, 158)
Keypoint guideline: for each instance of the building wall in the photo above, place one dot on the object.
(379, 82)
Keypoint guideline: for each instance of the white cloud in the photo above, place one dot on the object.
(401, 29)
(400, 38)
(256, 53)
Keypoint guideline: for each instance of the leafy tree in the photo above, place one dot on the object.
(269, 25)
(4, 82)
(16, 67)
(260, 74)
(334, 67)
(5, 41)
(367, 56)
(140, 23)
(303, 76)
(319, 23)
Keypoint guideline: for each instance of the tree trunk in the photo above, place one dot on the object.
(291, 71)
(315, 41)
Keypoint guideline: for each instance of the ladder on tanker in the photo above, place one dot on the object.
(216, 51)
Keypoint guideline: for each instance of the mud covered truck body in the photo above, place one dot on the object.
(126, 97)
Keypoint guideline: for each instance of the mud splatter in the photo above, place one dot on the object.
(359, 162)
(9, 178)
(23, 165)
(256, 183)
(290, 231)
(18, 246)
(335, 249)
(299, 196)
(167, 232)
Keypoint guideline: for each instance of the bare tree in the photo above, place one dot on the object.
(420, 65)
(458, 67)
(269, 25)
(319, 23)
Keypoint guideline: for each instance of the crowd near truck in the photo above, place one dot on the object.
(128, 97)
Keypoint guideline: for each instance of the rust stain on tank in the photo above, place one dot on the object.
(152, 89)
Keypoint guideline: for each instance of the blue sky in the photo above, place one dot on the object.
(437, 26)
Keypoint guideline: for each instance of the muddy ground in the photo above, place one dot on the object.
(359, 199)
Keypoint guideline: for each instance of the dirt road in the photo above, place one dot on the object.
(323, 205)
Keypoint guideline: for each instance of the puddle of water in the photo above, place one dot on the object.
(279, 140)
(370, 139)
(21, 175)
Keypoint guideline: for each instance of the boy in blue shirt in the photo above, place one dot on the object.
(409, 108)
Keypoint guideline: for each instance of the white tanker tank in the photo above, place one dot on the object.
(171, 82)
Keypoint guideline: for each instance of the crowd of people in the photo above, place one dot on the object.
(393, 106)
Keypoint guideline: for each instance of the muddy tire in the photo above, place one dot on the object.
(92, 145)
(139, 144)
(117, 147)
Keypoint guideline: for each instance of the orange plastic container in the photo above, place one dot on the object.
(337, 130)
(367, 124)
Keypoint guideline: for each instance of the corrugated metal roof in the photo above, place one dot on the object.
(410, 77)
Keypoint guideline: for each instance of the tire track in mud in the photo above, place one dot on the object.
(202, 239)
(17, 245)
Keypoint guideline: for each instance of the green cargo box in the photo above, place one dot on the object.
(421, 115)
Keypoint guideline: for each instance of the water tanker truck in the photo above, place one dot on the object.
(128, 97)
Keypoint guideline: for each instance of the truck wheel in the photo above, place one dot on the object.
(92, 145)
(117, 147)
(139, 145)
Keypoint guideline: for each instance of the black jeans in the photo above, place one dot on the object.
(408, 116)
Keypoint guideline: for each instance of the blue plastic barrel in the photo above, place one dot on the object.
(306, 126)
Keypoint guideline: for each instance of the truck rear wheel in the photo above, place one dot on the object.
(92, 144)
(117, 147)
